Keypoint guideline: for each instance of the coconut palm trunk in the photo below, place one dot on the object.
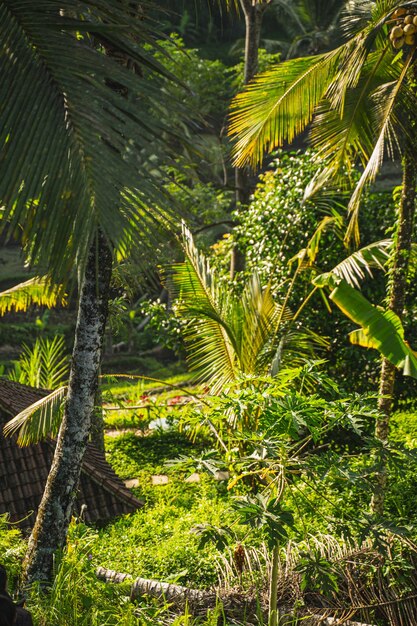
(74, 152)
(396, 293)
(54, 514)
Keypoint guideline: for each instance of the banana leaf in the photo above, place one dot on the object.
(380, 329)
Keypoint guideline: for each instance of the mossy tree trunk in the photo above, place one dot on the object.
(396, 293)
(54, 514)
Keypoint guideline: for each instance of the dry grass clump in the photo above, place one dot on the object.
(329, 582)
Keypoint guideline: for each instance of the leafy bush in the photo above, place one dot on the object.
(165, 324)
(277, 225)
(45, 365)
(403, 426)
(12, 550)
(208, 81)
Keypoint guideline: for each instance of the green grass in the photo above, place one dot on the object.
(132, 456)
(128, 388)
(158, 541)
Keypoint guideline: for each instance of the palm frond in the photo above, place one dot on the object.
(38, 421)
(229, 335)
(386, 103)
(36, 291)
(77, 126)
(259, 313)
(341, 139)
(45, 364)
(290, 11)
(55, 362)
(301, 344)
(278, 105)
(210, 338)
(359, 264)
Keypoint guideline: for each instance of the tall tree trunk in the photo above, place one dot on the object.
(253, 12)
(397, 293)
(54, 514)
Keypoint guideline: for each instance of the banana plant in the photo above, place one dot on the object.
(379, 329)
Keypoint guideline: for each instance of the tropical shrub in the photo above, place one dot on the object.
(45, 365)
(12, 550)
(207, 80)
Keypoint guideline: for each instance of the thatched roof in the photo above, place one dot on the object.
(23, 471)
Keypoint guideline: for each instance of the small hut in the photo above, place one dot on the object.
(24, 471)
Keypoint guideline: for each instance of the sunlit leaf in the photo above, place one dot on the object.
(36, 291)
(38, 421)
(381, 329)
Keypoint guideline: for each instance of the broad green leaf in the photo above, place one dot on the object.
(382, 330)
(360, 338)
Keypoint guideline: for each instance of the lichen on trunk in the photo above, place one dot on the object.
(55, 510)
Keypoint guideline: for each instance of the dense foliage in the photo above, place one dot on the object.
(252, 443)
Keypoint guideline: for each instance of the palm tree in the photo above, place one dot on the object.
(363, 102)
(79, 125)
(231, 335)
(312, 24)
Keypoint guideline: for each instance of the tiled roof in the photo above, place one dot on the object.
(23, 471)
